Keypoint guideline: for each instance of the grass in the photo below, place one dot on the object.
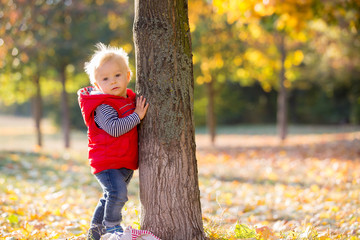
(260, 129)
(252, 186)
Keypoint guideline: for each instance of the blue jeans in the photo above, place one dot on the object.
(114, 184)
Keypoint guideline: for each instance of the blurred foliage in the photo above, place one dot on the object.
(322, 61)
(234, 45)
(51, 38)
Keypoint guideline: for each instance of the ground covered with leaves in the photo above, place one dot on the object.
(252, 187)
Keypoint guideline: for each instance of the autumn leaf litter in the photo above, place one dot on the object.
(251, 187)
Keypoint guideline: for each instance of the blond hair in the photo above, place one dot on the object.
(102, 55)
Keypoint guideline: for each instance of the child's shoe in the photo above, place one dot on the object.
(95, 232)
(115, 229)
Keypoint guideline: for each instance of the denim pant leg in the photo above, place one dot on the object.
(98, 216)
(114, 184)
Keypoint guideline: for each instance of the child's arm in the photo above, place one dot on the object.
(107, 119)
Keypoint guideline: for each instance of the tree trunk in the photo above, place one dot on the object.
(211, 119)
(282, 97)
(37, 109)
(169, 190)
(65, 109)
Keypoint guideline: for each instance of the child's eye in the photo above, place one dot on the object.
(104, 79)
(118, 75)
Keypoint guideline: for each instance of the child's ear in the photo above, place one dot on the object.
(128, 76)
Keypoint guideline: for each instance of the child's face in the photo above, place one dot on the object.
(112, 78)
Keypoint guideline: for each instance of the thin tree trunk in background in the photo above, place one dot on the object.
(282, 96)
(169, 190)
(37, 109)
(65, 109)
(211, 118)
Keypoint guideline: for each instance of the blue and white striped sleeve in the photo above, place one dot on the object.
(106, 117)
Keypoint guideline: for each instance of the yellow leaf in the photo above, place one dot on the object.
(315, 188)
(219, 63)
(243, 231)
(242, 73)
(324, 215)
(13, 197)
(298, 57)
(335, 209)
(237, 61)
(255, 30)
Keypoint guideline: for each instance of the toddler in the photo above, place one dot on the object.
(111, 112)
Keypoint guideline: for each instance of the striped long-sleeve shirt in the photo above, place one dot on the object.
(106, 117)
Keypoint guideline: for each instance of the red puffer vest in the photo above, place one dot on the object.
(105, 151)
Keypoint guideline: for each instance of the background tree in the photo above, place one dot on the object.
(48, 40)
(169, 190)
(70, 46)
(288, 25)
(217, 48)
(25, 38)
(284, 22)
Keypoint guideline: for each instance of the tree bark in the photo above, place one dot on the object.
(37, 109)
(169, 190)
(282, 97)
(65, 109)
(211, 118)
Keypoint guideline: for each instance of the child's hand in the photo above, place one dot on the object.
(141, 107)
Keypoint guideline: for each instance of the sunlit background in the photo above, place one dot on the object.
(263, 71)
(246, 54)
